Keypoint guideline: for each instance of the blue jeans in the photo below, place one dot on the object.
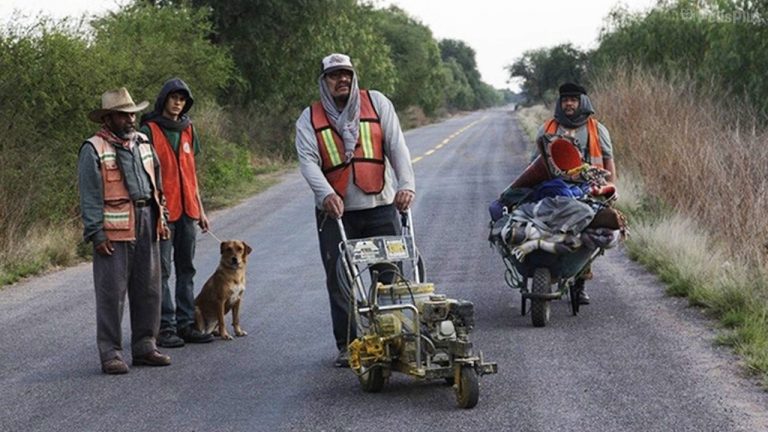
(378, 221)
(181, 246)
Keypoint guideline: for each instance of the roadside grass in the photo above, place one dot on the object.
(693, 265)
(264, 175)
(693, 251)
(33, 251)
(39, 249)
(699, 220)
(531, 118)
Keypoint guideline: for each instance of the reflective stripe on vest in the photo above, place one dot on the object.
(179, 172)
(119, 214)
(367, 164)
(593, 140)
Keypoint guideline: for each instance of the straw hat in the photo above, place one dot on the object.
(117, 100)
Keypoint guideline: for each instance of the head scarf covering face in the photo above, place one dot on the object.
(346, 121)
(579, 118)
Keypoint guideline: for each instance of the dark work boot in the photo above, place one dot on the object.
(191, 335)
(168, 339)
(342, 359)
(583, 296)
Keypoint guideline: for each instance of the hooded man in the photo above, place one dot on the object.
(574, 117)
(120, 201)
(352, 153)
(170, 132)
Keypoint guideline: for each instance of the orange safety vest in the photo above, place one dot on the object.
(119, 215)
(593, 140)
(179, 173)
(367, 164)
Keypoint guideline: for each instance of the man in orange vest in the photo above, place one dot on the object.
(352, 153)
(120, 202)
(171, 133)
(574, 117)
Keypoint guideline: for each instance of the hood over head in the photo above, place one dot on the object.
(173, 85)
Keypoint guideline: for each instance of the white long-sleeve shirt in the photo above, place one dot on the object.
(398, 173)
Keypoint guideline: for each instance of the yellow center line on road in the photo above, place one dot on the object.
(446, 141)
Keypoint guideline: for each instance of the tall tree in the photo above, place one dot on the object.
(416, 56)
(460, 59)
(542, 70)
(278, 46)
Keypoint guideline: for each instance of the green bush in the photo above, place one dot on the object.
(142, 46)
(721, 42)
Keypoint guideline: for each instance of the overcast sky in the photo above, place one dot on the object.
(498, 30)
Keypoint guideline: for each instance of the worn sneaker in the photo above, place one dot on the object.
(115, 366)
(169, 339)
(342, 359)
(192, 335)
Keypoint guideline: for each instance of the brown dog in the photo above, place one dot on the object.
(223, 291)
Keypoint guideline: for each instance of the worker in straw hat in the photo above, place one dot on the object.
(124, 218)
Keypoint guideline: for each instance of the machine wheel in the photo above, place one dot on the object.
(372, 381)
(468, 389)
(540, 308)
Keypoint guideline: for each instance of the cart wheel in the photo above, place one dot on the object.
(468, 390)
(540, 308)
(372, 381)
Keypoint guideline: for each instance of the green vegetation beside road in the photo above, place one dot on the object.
(682, 89)
(252, 67)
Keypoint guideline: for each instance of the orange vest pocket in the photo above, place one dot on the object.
(113, 173)
(118, 215)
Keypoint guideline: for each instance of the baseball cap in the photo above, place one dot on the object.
(336, 61)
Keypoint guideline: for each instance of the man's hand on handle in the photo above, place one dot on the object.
(333, 205)
(403, 199)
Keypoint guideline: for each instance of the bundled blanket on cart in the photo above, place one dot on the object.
(558, 204)
(557, 225)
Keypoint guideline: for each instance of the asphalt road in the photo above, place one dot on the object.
(633, 360)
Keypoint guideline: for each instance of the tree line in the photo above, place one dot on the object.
(252, 66)
(724, 42)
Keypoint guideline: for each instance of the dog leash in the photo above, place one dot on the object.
(214, 236)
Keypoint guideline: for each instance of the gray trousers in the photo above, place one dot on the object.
(132, 269)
